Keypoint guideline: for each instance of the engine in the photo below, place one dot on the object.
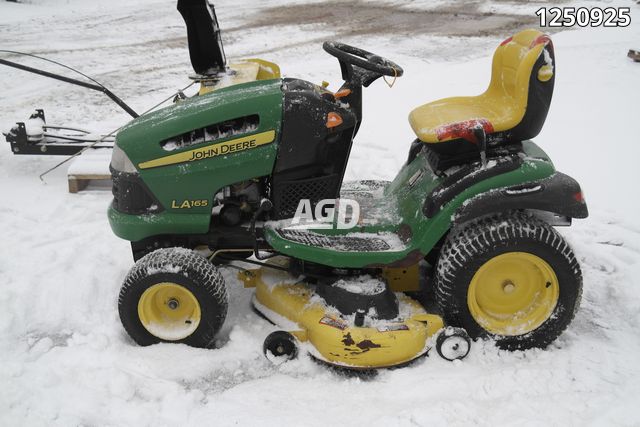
(236, 203)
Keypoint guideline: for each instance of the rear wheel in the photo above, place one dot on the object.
(513, 278)
(173, 295)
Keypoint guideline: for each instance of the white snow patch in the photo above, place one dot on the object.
(34, 129)
(362, 285)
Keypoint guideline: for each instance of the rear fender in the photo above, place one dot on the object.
(558, 194)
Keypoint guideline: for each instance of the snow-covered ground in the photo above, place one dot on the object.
(64, 357)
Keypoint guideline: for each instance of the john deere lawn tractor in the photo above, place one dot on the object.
(460, 245)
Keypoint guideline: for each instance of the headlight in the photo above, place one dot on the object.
(120, 161)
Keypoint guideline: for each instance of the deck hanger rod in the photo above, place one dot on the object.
(97, 86)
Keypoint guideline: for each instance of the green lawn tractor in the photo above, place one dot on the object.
(368, 274)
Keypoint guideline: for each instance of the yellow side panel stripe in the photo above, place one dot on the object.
(213, 150)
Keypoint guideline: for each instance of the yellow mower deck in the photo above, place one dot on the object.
(294, 306)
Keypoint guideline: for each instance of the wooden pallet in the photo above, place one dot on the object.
(80, 182)
(92, 166)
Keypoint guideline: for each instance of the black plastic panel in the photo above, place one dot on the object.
(310, 155)
(559, 194)
(472, 174)
(131, 195)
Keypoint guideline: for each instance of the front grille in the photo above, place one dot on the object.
(131, 195)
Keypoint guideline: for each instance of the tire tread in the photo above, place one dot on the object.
(184, 262)
(483, 234)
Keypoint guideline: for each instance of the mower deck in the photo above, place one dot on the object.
(334, 337)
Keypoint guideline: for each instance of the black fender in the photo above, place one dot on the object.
(558, 194)
(459, 181)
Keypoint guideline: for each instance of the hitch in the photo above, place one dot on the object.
(34, 136)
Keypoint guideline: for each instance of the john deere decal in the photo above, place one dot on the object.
(227, 147)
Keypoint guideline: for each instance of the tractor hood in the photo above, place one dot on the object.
(203, 119)
(179, 157)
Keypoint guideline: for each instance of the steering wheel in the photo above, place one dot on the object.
(363, 59)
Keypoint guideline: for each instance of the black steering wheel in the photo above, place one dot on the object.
(363, 59)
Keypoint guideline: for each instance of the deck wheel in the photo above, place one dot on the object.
(453, 344)
(280, 346)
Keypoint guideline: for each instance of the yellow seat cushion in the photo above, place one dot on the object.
(500, 108)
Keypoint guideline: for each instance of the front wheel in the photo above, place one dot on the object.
(173, 295)
(513, 278)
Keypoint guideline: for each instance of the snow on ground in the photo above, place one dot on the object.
(65, 359)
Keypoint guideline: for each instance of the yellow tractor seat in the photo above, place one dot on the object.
(512, 109)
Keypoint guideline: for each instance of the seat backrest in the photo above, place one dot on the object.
(523, 74)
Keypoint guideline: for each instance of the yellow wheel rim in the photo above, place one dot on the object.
(169, 311)
(513, 293)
